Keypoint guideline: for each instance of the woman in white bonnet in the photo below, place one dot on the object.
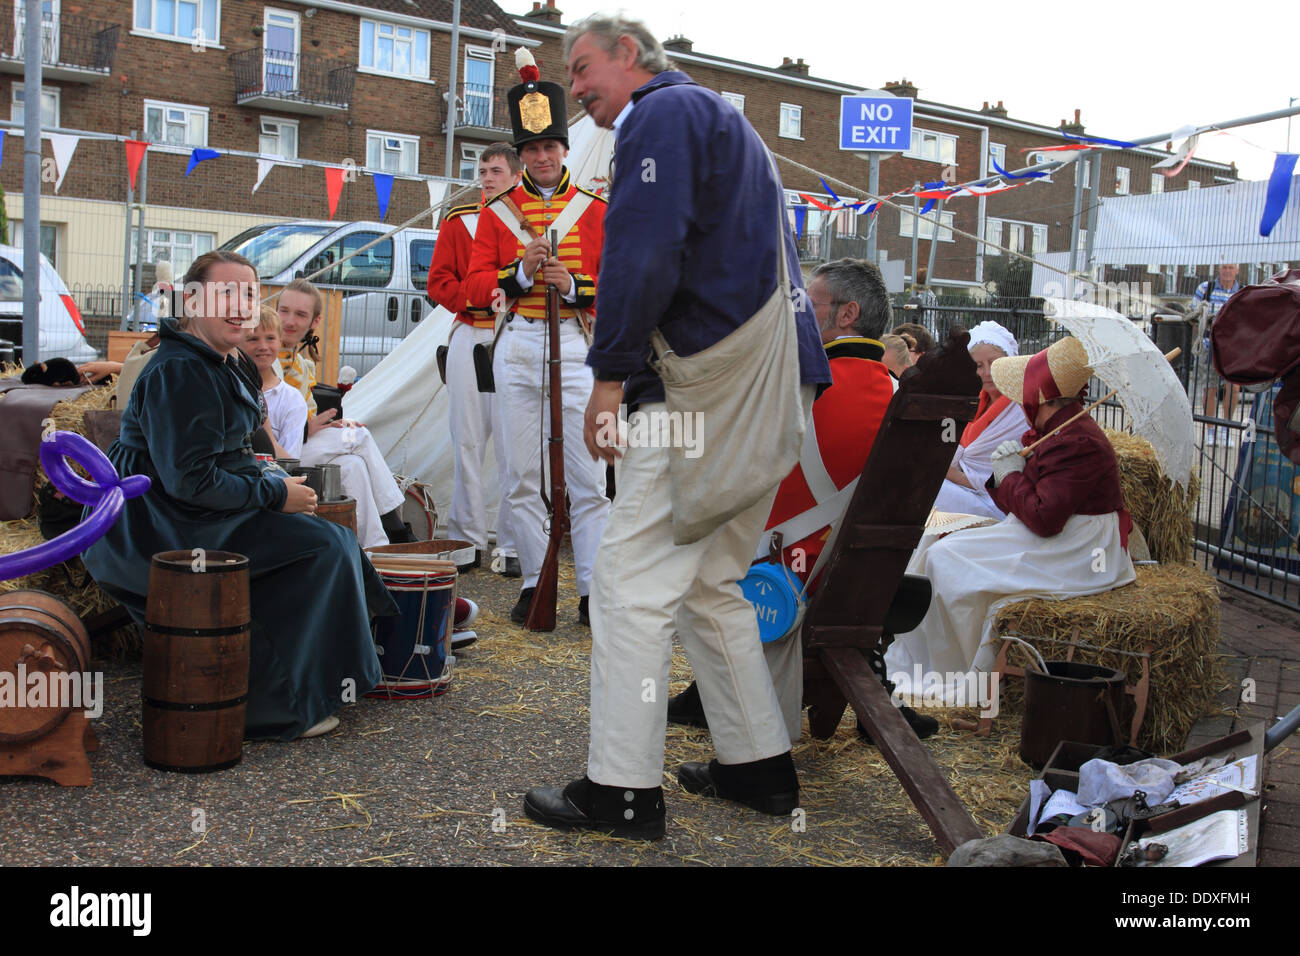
(996, 420)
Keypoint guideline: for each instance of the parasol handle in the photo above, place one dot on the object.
(1024, 452)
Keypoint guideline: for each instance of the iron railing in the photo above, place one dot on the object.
(296, 77)
(480, 106)
(68, 40)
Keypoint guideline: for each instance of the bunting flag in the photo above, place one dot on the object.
(198, 156)
(383, 190)
(1279, 189)
(135, 150)
(264, 166)
(437, 192)
(800, 216)
(64, 145)
(333, 186)
(929, 204)
(1174, 164)
(1029, 175)
(2, 141)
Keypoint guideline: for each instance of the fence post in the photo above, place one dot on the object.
(140, 244)
(126, 254)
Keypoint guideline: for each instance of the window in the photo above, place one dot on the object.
(49, 108)
(175, 124)
(476, 109)
(846, 223)
(279, 137)
(997, 156)
(185, 20)
(1035, 158)
(993, 234)
(1083, 239)
(1157, 182)
(399, 51)
(1015, 237)
(392, 153)
(179, 248)
(791, 121)
(1040, 240)
(1193, 184)
(906, 224)
(1083, 167)
(1121, 180)
(372, 269)
(469, 162)
(936, 147)
(11, 281)
(735, 99)
(49, 239)
(421, 258)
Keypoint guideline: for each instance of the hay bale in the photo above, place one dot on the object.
(1162, 510)
(1171, 609)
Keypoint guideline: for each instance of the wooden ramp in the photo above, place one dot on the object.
(882, 526)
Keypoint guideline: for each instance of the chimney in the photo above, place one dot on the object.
(799, 67)
(545, 13)
(901, 88)
(999, 110)
(678, 44)
(1075, 128)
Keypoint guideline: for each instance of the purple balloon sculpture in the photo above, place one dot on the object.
(106, 492)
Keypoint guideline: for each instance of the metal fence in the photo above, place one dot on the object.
(1247, 515)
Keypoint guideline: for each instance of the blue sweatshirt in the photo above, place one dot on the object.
(690, 236)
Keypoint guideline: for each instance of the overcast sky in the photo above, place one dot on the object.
(1134, 68)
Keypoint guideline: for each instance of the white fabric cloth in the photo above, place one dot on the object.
(519, 367)
(974, 572)
(989, 332)
(646, 589)
(365, 474)
(974, 461)
(286, 410)
(474, 419)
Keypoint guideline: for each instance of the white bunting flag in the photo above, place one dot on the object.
(63, 145)
(263, 167)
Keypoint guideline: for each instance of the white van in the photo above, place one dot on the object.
(383, 288)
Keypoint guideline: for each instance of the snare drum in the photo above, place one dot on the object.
(414, 646)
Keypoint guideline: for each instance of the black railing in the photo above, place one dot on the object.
(67, 41)
(480, 106)
(298, 77)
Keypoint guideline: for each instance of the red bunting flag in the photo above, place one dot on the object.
(333, 186)
(135, 150)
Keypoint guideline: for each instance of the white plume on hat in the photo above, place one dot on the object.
(991, 333)
(523, 58)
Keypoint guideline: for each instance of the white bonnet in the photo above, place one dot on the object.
(990, 333)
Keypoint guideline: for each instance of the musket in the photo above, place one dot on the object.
(541, 611)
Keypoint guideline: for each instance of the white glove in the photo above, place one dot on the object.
(1006, 459)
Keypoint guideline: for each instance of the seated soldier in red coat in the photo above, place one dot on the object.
(852, 307)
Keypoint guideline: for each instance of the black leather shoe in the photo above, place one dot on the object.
(768, 786)
(687, 709)
(466, 568)
(519, 613)
(583, 805)
(584, 617)
(923, 725)
(513, 570)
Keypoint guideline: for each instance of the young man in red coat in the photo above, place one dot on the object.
(473, 415)
(510, 268)
(849, 298)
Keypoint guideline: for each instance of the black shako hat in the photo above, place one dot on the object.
(537, 108)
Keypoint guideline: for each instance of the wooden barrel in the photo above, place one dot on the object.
(39, 634)
(195, 686)
(342, 512)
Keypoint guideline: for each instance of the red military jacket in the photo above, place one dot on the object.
(847, 417)
(451, 264)
(497, 250)
(1073, 473)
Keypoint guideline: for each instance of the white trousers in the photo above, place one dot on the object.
(474, 418)
(646, 589)
(366, 476)
(520, 371)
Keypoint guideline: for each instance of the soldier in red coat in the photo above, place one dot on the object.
(473, 415)
(510, 267)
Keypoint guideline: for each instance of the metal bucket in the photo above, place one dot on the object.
(1072, 701)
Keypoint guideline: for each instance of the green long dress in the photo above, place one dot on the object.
(188, 426)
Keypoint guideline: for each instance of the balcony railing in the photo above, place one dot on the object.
(295, 82)
(480, 108)
(72, 47)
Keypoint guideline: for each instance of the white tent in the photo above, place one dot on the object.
(403, 401)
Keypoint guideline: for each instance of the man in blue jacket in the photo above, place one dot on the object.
(691, 250)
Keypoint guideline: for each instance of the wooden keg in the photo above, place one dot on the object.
(342, 512)
(196, 647)
(38, 634)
